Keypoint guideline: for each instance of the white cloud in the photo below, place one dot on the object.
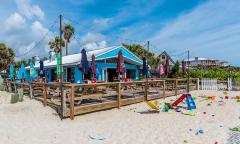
(25, 48)
(93, 41)
(210, 30)
(14, 23)
(38, 30)
(95, 45)
(101, 23)
(28, 10)
(22, 31)
(93, 37)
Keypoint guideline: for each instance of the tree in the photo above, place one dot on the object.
(141, 52)
(44, 58)
(19, 63)
(6, 56)
(55, 44)
(176, 70)
(68, 33)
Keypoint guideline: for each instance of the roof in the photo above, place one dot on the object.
(164, 52)
(100, 54)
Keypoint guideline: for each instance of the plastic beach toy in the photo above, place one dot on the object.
(97, 137)
(153, 105)
(236, 129)
(187, 112)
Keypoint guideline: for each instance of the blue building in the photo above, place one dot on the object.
(106, 64)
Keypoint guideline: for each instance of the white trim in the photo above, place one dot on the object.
(103, 74)
(116, 55)
(132, 53)
(114, 47)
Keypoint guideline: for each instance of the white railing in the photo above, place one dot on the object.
(214, 84)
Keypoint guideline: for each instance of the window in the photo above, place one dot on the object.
(163, 57)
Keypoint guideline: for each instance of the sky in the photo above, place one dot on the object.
(209, 29)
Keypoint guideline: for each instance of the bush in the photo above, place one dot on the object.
(215, 74)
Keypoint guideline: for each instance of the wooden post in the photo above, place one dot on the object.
(176, 87)
(44, 92)
(197, 87)
(64, 102)
(15, 87)
(72, 103)
(119, 95)
(145, 91)
(10, 87)
(164, 89)
(30, 90)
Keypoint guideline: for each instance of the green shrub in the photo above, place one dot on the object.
(215, 74)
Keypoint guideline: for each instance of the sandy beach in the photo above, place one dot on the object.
(28, 122)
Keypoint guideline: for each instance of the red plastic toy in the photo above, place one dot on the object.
(180, 99)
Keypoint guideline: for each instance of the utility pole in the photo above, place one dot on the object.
(188, 73)
(148, 46)
(61, 68)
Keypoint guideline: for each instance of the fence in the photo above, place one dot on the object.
(85, 98)
(214, 84)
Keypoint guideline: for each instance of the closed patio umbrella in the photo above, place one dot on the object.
(11, 73)
(93, 66)
(161, 70)
(33, 72)
(184, 70)
(59, 76)
(167, 69)
(84, 62)
(120, 64)
(145, 67)
(41, 73)
(22, 74)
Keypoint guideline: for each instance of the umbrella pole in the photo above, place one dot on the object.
(83, 77)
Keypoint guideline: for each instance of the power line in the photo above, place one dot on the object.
(109, 35)
(39, 42)
(78, 23)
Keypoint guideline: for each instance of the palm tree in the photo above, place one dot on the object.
(55, 44)
(68, 33)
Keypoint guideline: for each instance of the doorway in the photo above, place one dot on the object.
(111, 74)
(70, 74)
(53, 75)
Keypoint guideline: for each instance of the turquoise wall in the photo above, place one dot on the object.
(78, 75)
(104, 66)
(100, 66)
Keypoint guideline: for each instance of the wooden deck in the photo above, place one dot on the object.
(80, 99)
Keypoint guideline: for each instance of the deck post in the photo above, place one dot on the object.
(44, 92)
(176, 87)
(119, 95)
(164, 89)
(197, 87)
(64, 102)
(30, 90)
(10, 87)
(72, 103)
(145, 90)
(15, 87)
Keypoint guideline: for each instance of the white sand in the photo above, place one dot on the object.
(29, 122)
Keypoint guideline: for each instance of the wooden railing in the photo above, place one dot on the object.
(85, 98)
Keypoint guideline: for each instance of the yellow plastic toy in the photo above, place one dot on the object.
(153, 106)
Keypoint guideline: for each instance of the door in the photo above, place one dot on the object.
(111, 74)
